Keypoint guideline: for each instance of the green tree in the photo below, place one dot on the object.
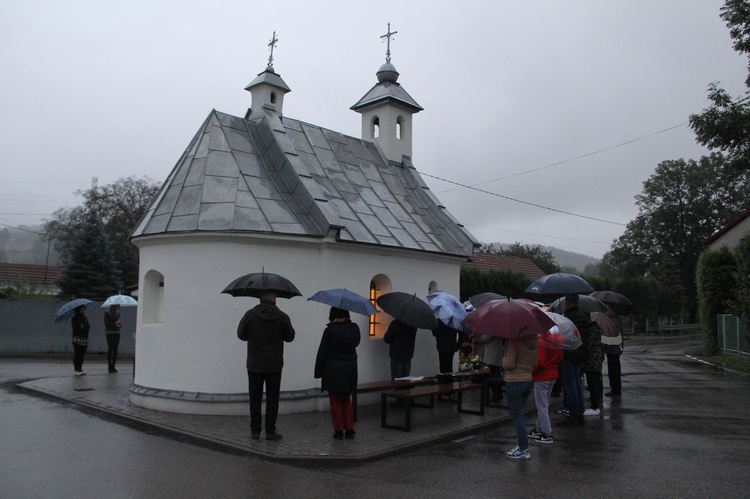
(120, 206)
(725, 124)
(88, 272)
(681, 204)
(715, 277)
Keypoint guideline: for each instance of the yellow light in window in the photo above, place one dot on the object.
(374, 317)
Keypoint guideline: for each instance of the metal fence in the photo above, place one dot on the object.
(733, 336)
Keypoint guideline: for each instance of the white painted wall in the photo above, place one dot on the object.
(196, 349)
(732, 237)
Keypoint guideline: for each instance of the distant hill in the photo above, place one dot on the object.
(564, 258)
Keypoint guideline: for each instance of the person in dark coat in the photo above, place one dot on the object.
(336, 365)
(447, 341)
(81, 328)
(265, 328)
(400, 338)
(112, 325)
(572, 363)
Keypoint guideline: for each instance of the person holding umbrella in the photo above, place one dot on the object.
(112, 325)
(613, 352)
(518, 363)
(336, 365)
(572, 363)
(265, 328)
(400, 338)
(81, 328)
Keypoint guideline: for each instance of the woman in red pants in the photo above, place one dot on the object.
(336, 364)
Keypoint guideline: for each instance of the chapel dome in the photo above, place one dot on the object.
(387, 72)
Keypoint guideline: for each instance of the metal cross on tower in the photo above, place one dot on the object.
(388, 50)
(272, 44)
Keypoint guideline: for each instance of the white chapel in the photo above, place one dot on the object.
(325, 210)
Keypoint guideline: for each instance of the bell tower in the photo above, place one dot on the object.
(387, 110)
(268, 89)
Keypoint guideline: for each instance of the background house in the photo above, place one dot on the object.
(731, 234)
(29, 279)
(486, 261)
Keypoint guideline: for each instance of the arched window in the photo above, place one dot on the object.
(152, 298)
(375, 128)
(379, 285)
(273, 97)
(399, 125)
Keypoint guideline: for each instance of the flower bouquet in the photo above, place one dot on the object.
(469, 363)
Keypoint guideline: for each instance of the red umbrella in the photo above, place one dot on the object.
(509, 319)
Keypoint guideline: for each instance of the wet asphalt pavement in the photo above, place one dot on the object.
(680, 430)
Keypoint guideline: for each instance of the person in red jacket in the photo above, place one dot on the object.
(544, 376)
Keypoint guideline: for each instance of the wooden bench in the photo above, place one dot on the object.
(408, 397)
(381, 386)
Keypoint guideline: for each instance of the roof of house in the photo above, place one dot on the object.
(269, 174)
(19, 273)
(486, 261)
(716, 235)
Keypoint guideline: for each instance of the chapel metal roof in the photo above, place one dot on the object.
(282, 176)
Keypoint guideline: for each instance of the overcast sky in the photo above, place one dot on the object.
(509, 89)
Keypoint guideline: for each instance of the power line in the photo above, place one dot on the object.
(521, 201)
(535, 234)
(21, 229)
(573, 159)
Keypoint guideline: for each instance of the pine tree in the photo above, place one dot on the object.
(90, 272)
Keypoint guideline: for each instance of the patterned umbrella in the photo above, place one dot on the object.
(563, 334)
(509, 319)
(482, 298)
(346, 300)
(610, 334)
(447, 309)
(122, 300)
(69, 309)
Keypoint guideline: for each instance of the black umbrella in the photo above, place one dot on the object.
(259, 283)
(559, 284)
(482, 298)
(612, 297)
(408, 309)
(585, 303)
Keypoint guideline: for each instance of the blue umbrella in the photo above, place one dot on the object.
(122, 300)
(447, 309)
(69, 309)
(346, 300)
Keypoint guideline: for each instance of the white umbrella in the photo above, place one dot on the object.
(122, 300)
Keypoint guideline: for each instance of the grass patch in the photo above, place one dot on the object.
(730, 362)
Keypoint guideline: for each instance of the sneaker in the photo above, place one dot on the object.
(592, 412)
(80, 373)
(544, 440)
(516, 453)
(255, 436)
(350, 434)
(562, 410)
(273, 436)
(613, 394)
(534, 434)
(339, 435)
